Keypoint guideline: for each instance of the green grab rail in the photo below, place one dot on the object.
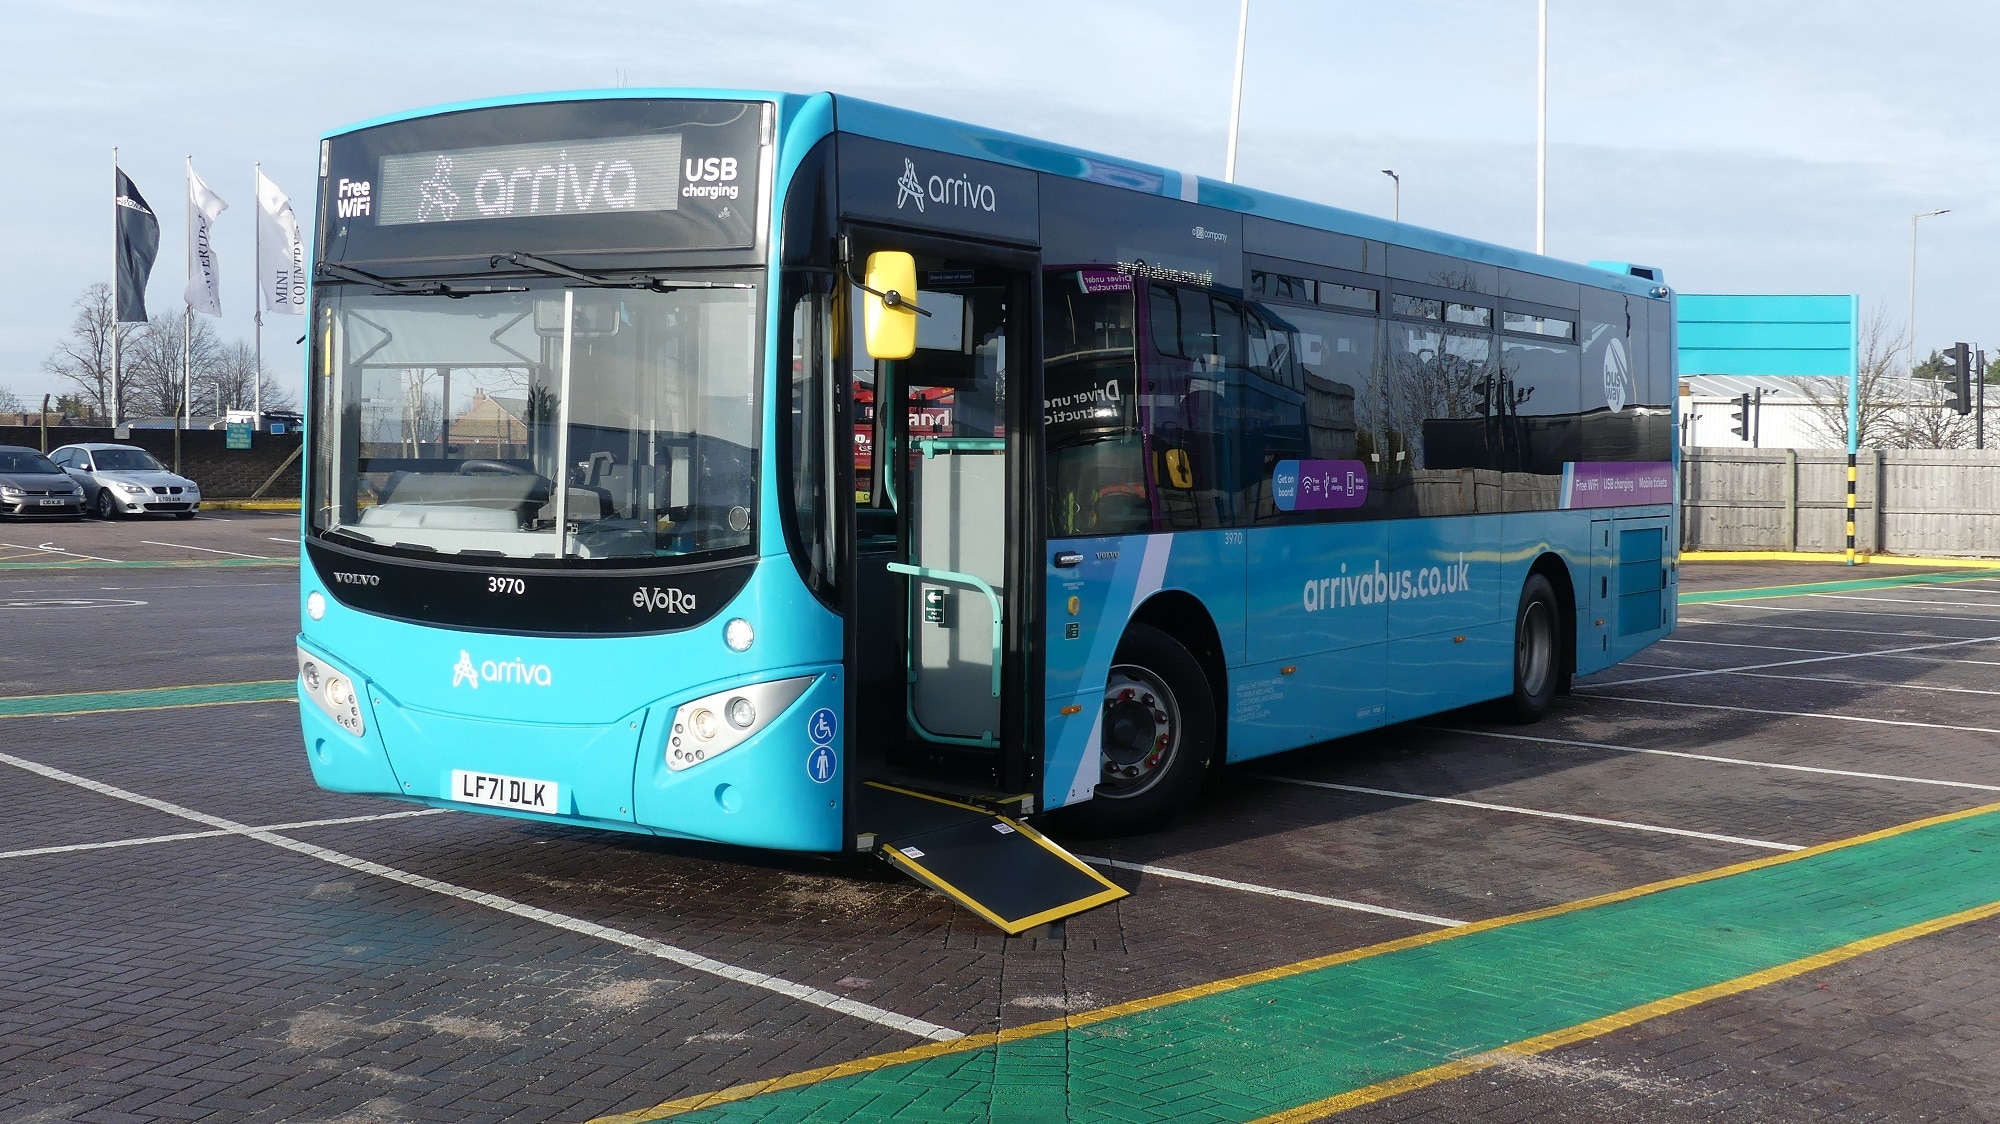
(986, 739)
(932, 446)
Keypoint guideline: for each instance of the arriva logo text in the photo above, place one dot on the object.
(520, 672)
(659, 600)
(955, 191)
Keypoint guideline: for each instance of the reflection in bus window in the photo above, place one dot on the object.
(1096, 453)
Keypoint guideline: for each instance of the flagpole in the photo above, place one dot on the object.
(257, 308)
(115, 327)
(184, 417)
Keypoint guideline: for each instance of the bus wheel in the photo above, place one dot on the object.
(1537, 651)
(1158, 734)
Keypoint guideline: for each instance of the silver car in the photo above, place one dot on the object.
(127, 480)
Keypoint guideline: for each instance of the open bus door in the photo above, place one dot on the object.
(941, 603)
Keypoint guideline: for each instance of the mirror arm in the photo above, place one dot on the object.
(891, 299)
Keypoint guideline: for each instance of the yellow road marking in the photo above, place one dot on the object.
(1860, 557)
(1086, 1018)
(1633, 1016)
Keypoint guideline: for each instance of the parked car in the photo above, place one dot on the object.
(127, 480)
(31, 484)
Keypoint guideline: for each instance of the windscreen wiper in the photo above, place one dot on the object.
(658, 284)
(411, 288)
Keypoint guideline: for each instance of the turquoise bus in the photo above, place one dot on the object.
(799, 472)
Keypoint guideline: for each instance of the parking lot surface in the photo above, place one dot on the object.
(1752, 874)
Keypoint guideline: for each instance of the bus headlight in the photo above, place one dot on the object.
(331, 691)
(702, 722)
(717, 723)
(738, 635)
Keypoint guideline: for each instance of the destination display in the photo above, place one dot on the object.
(613, 175)
(518, 180)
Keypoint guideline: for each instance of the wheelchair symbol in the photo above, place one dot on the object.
(822, 726)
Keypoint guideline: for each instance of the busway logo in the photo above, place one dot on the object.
(1617, 370)
(466, 673)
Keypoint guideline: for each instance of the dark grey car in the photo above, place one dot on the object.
(32, 485)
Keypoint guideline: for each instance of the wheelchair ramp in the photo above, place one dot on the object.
(997, 867)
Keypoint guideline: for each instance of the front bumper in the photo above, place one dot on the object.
(154, 504)
(762, 793)
(35, 505)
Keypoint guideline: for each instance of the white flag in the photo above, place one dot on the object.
(281, 256)
(204, 287)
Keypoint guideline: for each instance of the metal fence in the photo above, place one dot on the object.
(1943, 503)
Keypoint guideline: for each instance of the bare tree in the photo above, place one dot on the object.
(10, 403)
(234, 379)
(1925, 422)
(153, 362)
(1878, 354)
(83, 358)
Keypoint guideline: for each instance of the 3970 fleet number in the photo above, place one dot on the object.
(506, 585)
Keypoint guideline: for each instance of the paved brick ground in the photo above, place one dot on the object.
(227, 979)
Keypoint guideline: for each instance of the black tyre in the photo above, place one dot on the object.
(1538, 651)
(1158, 736)
(184, 515)
(107, 508)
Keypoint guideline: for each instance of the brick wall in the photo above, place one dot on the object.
(222, 473)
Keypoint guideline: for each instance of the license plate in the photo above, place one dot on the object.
(53, 503)
(496, 791)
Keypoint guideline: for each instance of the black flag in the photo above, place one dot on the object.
(138, 242)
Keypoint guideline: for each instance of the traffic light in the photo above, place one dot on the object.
(1958, 378)
(1740, 416)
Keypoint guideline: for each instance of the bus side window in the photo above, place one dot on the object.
(1095, 454)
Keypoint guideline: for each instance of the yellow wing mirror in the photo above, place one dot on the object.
(889, 309)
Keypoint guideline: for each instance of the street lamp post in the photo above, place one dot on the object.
(1542, 129)
(1912, 350)
(1236, 93)
(1391, 173)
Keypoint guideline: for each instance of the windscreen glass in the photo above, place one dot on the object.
(560, 424)
(26, 460)
(126, 460)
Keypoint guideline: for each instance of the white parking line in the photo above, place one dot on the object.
(1791, 713)
(1520, 811)
(1803, 628)
(1267, 891)
(1827, 651)
(1807, 660)
(148, 839)
(288, 539)
(686, 959)
(209, 549)
(1764, 647)
(54, 550)
(1911, 601)
(1858, 612)
(1815, 769)
(1848, 682)
(1942, 659)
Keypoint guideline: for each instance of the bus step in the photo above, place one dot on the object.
(995, 866)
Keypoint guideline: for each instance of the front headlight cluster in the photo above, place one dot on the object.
(722, 721)
(131, 489)
(10, 491)
(332, 691)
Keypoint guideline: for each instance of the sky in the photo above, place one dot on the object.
(1766, 146)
